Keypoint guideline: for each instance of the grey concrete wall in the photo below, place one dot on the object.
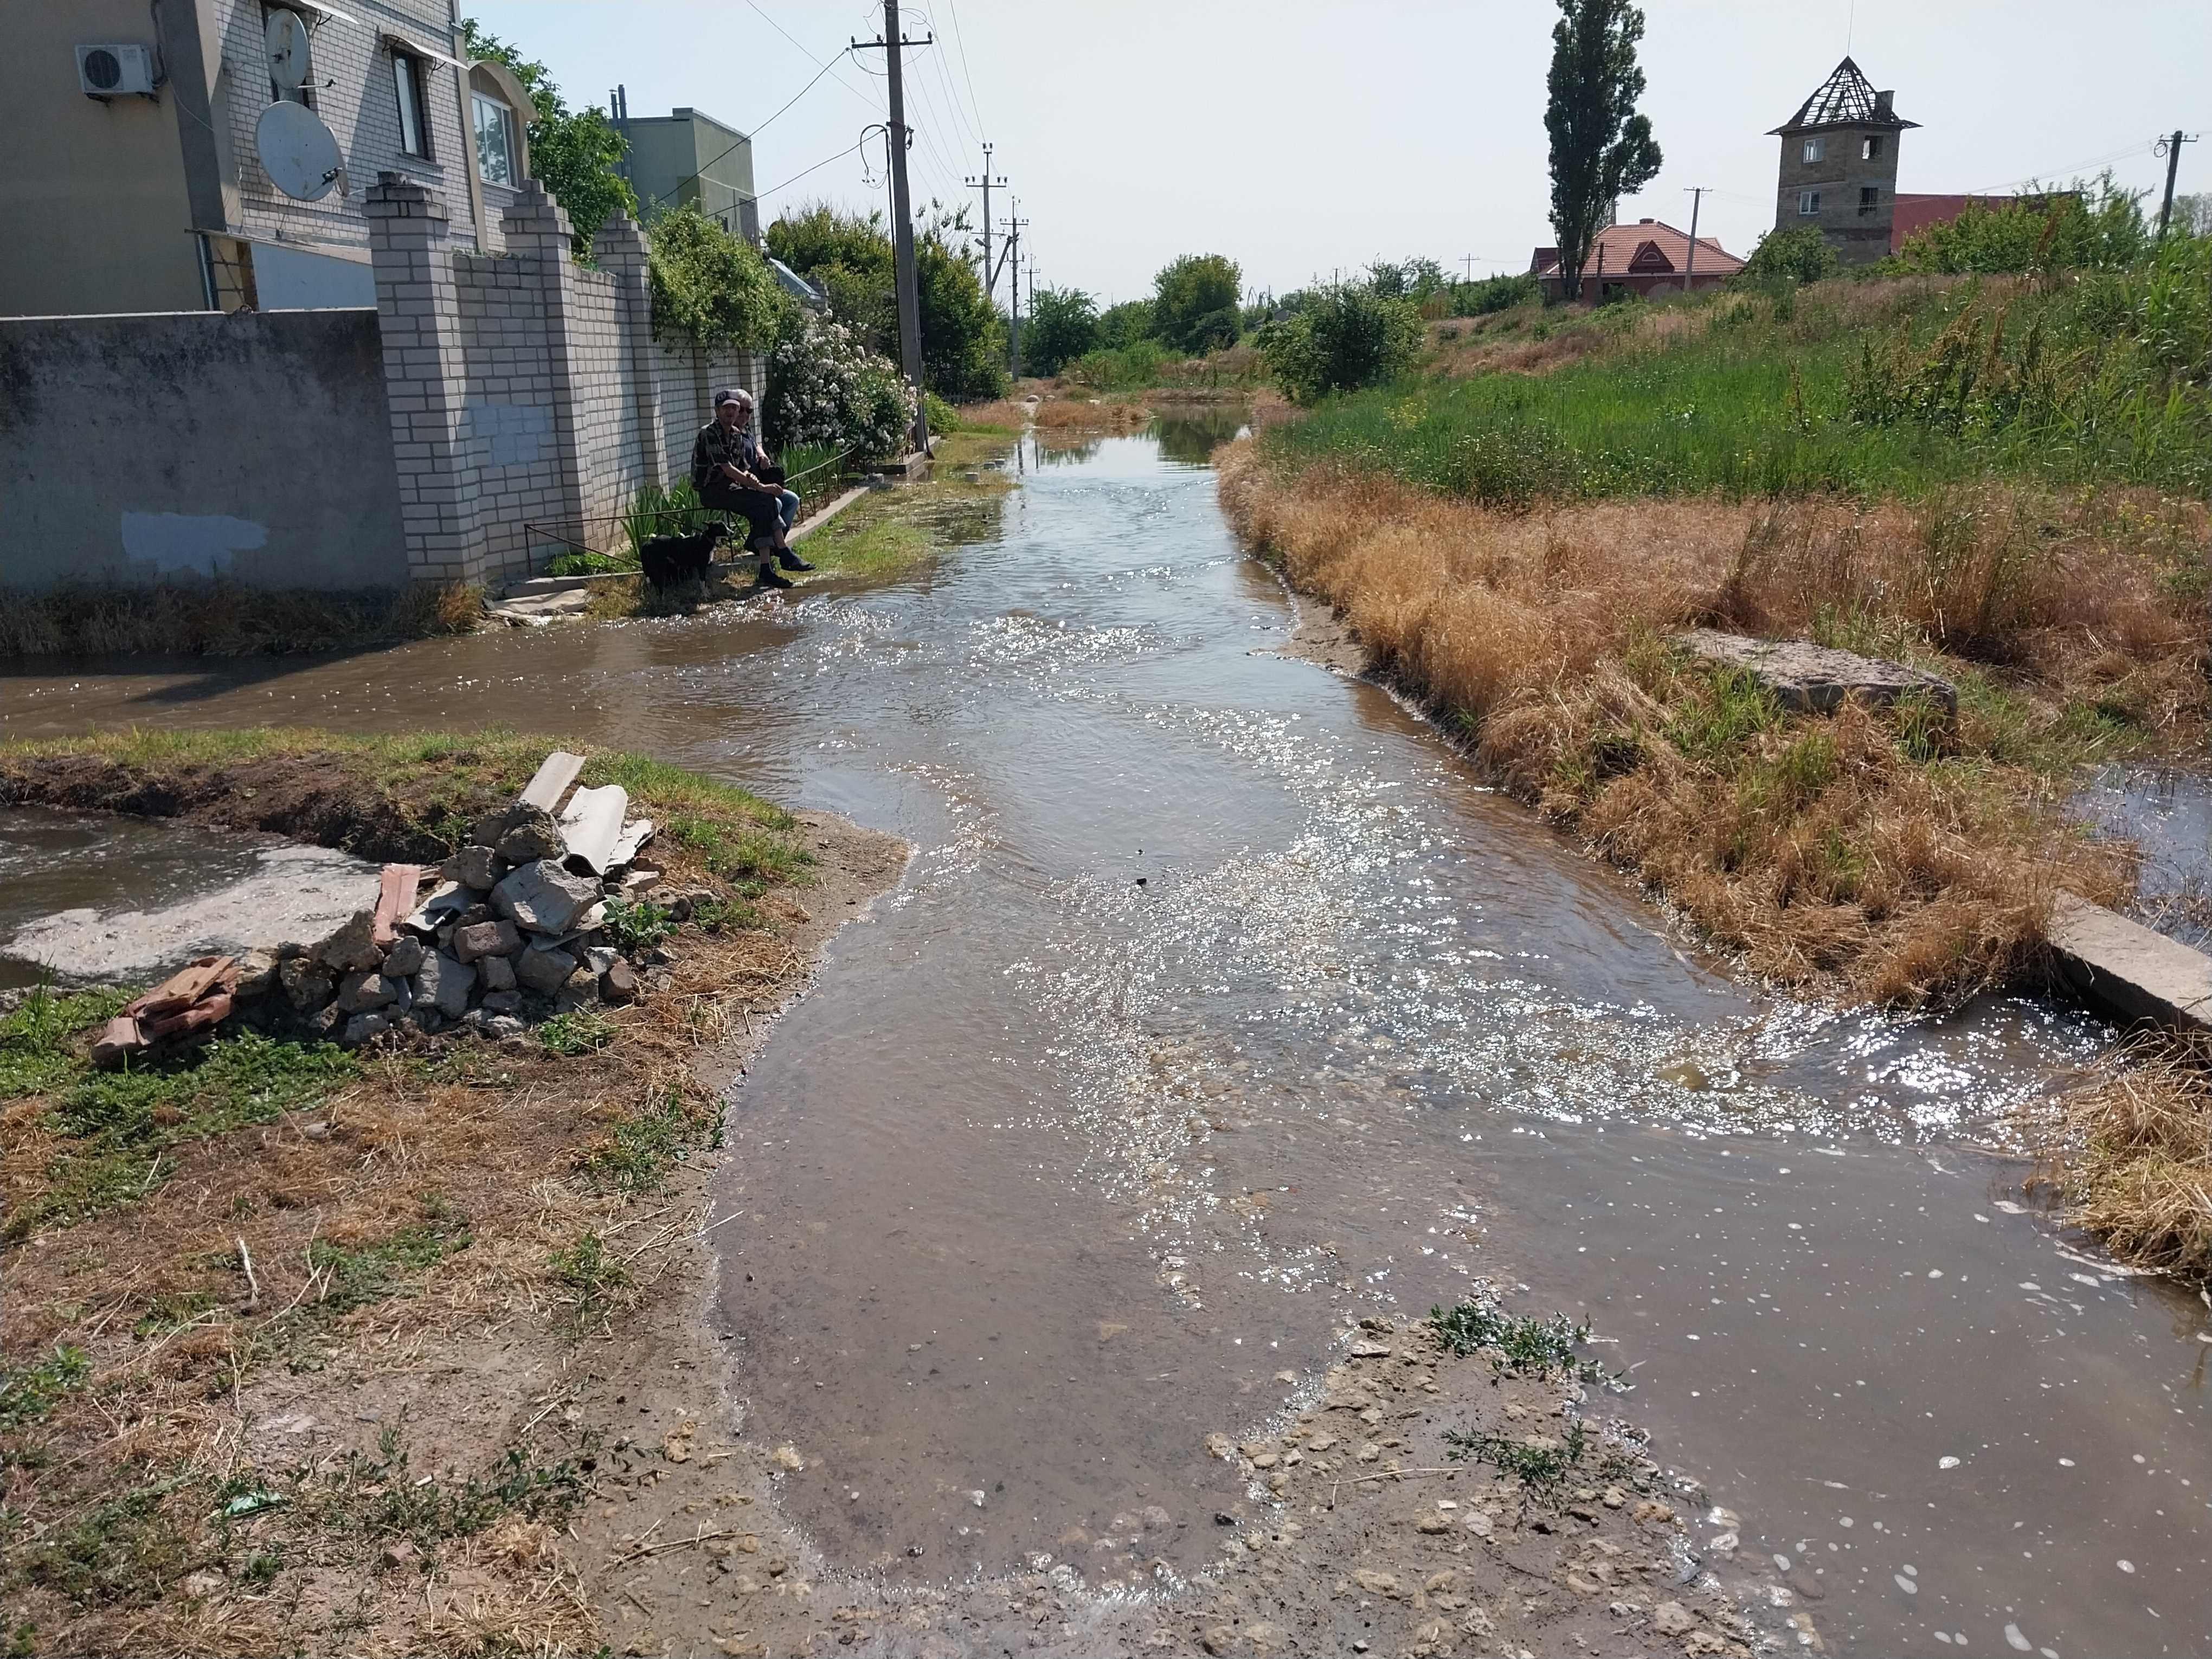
(255, 447)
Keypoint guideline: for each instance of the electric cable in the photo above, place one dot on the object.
(744, 139)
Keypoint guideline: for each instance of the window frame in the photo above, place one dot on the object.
(411, 86)
(1869, 199)
(1816, 149)
(480, 101)
(1870, 147)
(1808, 204)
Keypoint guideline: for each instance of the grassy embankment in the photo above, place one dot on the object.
(224, 619)
(2003, 482)
(273, 1219)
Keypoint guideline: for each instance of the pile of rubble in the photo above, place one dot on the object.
(512, 926)
(511, 929)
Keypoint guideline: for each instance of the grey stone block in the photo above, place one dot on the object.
(486, 938)
(498, 973)
(445, 984)
(359, 993)
(2126, 968)
(545, 970)
(542, 897)
(1816, 679)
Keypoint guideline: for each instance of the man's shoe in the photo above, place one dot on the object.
(791, 561)
(770, 578)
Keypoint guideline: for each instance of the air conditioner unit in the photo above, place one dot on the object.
(114, 72)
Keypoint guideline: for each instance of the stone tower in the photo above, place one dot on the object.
(1840, 166)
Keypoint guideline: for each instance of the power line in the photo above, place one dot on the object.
(763, 195)
(810, 57)
(744, 139)
(960, 39)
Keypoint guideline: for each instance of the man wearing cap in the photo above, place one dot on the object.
(726, 465)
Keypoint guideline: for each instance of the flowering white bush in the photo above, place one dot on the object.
(824, 386)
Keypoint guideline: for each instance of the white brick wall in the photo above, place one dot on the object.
(525, 389)
(355, 95)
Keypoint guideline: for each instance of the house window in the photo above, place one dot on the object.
(496, 145)
(1869, 198)
(409, 75)
(1870, 148)
(1808, 204)
(1816, 149)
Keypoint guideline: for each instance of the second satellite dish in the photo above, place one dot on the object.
(298, 152)
(285, 34)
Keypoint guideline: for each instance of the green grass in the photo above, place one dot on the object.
(381, 1496)
(637, 925)
(358, 1275)
(646, 1146)
(117, 1128)
(1836, 388)
(28, 1392)
(748, 858)
(37, 1054)
(579, 1031)
(594, 1274)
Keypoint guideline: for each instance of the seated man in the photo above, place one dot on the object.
(765, 469)
(723, 458)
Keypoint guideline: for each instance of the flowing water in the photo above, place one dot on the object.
(1221, 1005)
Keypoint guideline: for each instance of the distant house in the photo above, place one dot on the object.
(690, 159)
(1639, 258)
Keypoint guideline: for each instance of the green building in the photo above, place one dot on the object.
(687, 157)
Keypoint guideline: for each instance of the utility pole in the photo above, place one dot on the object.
(1013, 254)
(909, 302)
(990, 276)
(2170, 147)
(1690, 265)
(1467, 260)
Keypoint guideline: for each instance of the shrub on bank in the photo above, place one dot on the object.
(1347, 336)
(824, 386)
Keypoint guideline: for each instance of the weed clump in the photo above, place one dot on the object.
(28, 1392)
(1519, 1345)
(1541, 1465)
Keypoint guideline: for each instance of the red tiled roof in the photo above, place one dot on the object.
(1643, 249)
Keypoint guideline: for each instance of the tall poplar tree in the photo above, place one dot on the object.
(1602, 148)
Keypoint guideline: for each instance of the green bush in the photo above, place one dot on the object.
(1799, 254)
(709, 285)
(2096, 227)
(826, 387)
(1127, 324)
(943, 418)
(1494, 293)
(1348, 338)
(1123, 369)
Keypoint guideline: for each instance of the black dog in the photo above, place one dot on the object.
(668, 560)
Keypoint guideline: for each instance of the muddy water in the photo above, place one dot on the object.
(1220, 1006)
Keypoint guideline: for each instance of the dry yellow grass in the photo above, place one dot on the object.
(2133, 1159)
(1872, 855)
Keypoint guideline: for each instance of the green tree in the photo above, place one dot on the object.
(1799, 254)
(1602, 148)
(2095, 227)
(1062, 325)
(1345, 337)
(573, 154)
(1127, 324)
(850, 258)
(711, 285)
(1195, 303)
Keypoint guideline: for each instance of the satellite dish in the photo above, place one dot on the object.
(289, 64)
(298, 152)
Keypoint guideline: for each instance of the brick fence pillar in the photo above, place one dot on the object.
(619, 250)
(539, 234)
(418, 316)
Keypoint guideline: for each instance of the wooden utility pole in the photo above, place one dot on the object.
(1012, 257)
(1690, 265)
(990, 276)
(909, 300)
(2170, 147)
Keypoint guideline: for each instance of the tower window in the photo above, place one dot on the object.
(1808, 203)
(1816, 149)
(1870, 148)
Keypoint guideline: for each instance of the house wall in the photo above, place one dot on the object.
(193, 444)
(92, 191)
(1859, 235)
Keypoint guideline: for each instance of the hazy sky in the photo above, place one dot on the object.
(1297, 137)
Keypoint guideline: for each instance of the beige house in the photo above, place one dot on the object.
(136, 180)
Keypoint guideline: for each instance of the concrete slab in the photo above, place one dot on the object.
(1814, 677)
(2127, 970)
(295, 893)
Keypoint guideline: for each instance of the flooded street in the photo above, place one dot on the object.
(1221, 1006)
